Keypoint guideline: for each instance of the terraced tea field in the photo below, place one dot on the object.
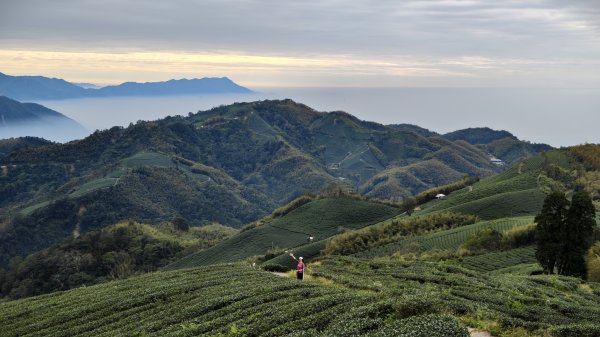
(514, 192)
(500, 260)
(449, 239)
(321, 218)
(520, 305)
(223, 300)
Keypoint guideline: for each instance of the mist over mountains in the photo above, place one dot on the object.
(30, 119)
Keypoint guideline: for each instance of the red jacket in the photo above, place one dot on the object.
(300, 267)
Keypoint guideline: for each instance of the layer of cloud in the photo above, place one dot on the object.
(472, 42)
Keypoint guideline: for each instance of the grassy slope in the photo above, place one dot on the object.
(321, 219)
(448, 239)
(514, 192)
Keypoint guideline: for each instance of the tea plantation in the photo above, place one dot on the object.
(500, 260)
(346, 297)
(221, 300)
(506, 305)
(321, 219)
(449, 239)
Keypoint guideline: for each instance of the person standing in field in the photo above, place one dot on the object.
(300, 267)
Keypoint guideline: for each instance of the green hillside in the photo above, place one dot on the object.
(504, 304)
(496, 261)
(151, 193)
(514, 192)
(113, 252)
(347, 297)
(224, 300)
(10, 145)
(450, 239)
(231, 164)
(321, 219)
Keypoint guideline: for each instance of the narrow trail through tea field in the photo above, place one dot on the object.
(478, 333)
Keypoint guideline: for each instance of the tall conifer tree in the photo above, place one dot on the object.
(577, 235)
(550, 227)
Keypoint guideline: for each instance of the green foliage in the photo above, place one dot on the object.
(301, 200)
(431, 193)
(363, 239)
(401, 182)
(482, 241)
(519, 236)
(10, 145)
(111, 253)
(497, 261)
(232, 164)
(565, 233)
(593, 263)
(514, 192)
(588, 155)
(180, 223)
(533, 304)
(576, 330)
(308, 251)
(408, 205)
(424, 326)
(321, 219)
(550, 227)
(448, 240)
(224, 300)
(150, 194)
(275, 268)
(577, 235)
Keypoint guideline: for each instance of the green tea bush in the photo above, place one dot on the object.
(576, 330)
(276, 268)
(424, 326)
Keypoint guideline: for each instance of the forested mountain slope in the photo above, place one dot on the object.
(231, 164)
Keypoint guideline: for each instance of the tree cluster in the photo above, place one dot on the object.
(565, 233)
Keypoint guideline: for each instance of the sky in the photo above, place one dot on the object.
(323, 43)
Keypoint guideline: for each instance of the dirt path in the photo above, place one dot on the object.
(520, 168)
(479, 333)
(280, 274)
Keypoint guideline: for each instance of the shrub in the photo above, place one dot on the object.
(276, 268)
(424, 326)
(593, 263)
(576, 330)
(519, 236)
(180, 223)
(302, 200)
(483, 240)
(356, 241)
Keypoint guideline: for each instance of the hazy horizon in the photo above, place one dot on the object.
(559, 117)
(531, 67)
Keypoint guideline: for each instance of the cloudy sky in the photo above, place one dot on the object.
(324, 43)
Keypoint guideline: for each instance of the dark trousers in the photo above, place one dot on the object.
(300, 275)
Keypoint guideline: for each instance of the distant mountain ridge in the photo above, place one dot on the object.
(45, 88)
(29, 119)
